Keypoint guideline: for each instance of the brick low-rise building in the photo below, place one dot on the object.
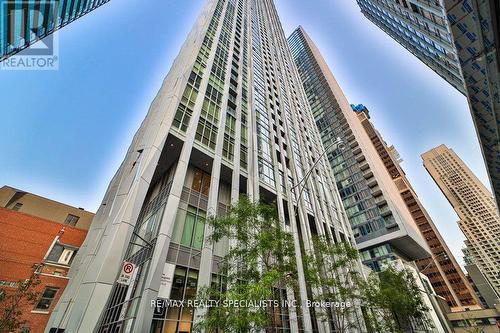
(27, 242)
(32, 204)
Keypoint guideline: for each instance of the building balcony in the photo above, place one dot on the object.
(368, 174)
(376, 191)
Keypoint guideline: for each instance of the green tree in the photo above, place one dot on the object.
(258, 267)
(12, 303)
(332, 270)
(395, 301)
(472, 326)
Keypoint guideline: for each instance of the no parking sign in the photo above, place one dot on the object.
(126, 273)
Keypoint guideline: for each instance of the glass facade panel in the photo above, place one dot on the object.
(25, 22)
(193, 228)
(178, 319)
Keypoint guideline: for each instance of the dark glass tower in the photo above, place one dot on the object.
(24, 22)
(381, 223)
(459, 41)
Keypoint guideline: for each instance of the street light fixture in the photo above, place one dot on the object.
(443, 254)
(442, 318)
(339, 143)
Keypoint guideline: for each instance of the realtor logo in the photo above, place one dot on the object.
(28, 36)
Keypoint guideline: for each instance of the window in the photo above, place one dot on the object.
(66, 257)
(194, 228)
(71, 219)
(17, 206)
(47, 298)
(201, 182)
(184, 287)
(61, 254)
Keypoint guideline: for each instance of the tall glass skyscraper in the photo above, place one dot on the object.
(422, 28)
(382, 225)
(458, 39)
(231, 118)
(24, 22)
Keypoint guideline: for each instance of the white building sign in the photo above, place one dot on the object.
(166, 281)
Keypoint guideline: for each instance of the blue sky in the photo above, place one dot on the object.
(65, 132)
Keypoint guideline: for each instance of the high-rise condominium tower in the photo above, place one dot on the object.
(422, 28)
(443, 271)
(483, 288)
(382, 225)
(474, 205)
(458, 39)
(360, 187)
(23, 22)
(231, 118)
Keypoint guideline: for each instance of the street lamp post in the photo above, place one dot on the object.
(339, 144)
(443, 254)
(441, 316)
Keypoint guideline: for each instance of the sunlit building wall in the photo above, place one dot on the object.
(474, 205)
(230, 119)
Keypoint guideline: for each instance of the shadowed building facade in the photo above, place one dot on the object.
(32, 204)
(230, 119)
(421, 27)
(483, 288)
